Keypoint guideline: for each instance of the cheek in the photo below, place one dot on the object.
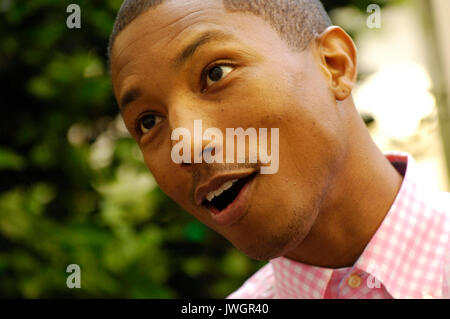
(172, 180)
(309, 136)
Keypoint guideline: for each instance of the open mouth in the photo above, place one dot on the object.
(228, 196)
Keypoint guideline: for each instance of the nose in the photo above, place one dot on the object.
(189, 146)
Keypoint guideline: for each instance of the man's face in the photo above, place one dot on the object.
(257, 82)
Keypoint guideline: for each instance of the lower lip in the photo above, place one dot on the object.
(234, 211)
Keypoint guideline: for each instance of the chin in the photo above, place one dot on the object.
(269, 247)
(261, 255)
(279, 241)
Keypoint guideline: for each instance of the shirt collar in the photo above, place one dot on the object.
(404, 254)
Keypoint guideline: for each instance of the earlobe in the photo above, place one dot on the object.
(338, 60)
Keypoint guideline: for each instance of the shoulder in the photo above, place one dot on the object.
(259, 286)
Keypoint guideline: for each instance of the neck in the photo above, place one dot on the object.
(354, 208)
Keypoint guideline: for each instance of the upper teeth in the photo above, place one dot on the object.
(220, 190)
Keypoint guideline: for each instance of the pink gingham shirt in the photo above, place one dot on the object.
(407, 257)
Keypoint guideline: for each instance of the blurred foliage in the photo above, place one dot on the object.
(73, 186)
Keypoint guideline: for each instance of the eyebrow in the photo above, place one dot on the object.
(204, 38)
(181, 58)
(130, 96)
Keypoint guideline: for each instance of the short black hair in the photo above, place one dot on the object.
(296, 21)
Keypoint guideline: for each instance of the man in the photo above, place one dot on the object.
(338, 219)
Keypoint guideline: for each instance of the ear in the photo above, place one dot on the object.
(338, 60)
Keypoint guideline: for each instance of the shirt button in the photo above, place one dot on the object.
(354, 281)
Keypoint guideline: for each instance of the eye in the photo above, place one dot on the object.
(147, 122)
(217, 73)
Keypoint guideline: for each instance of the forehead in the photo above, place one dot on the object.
(164, 20)
(159, 33)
